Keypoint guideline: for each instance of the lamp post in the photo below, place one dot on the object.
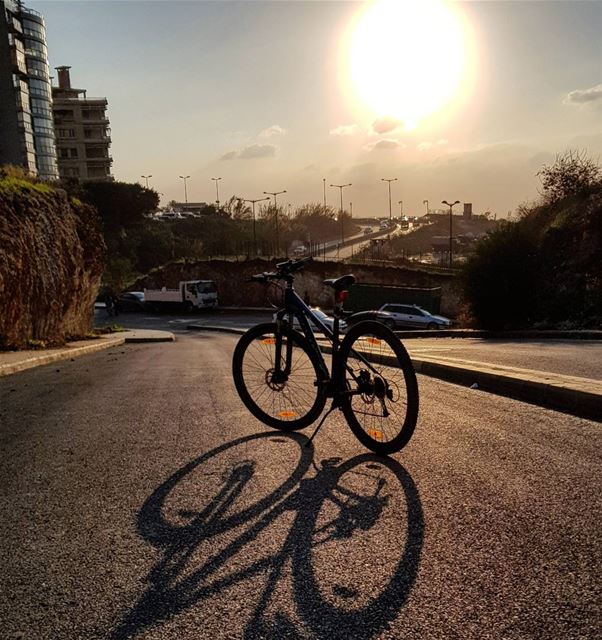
(324, 183)
(341, 187)
(254, 229)
(450, 205)
(400, 203)
(146, 178)
(216, 180)
(426, 202)
(185, 190)
(389, 180)
(275, 194)
(351, 210)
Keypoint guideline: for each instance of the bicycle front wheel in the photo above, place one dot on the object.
(381, 401)
(288, 402)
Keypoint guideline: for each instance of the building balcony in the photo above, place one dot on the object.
(99, 161)
(90, 120)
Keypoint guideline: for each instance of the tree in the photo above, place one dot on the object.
(120, 204)
(572, 173)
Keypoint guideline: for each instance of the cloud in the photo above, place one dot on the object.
(386, 124)
(345, 130)
(384, 144)
(270, 132)
(229, 156)
(585, 96)
(258, 151)
(425, 146)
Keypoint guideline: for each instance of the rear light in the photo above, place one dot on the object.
(341, 296)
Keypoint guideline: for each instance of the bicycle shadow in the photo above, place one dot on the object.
(175, 583)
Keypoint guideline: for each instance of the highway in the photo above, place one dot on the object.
(141, 500)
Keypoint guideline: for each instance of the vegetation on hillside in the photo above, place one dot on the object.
(545, 269)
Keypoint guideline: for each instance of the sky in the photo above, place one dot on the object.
(458, 101)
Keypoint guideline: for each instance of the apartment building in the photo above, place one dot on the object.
(83, 136)
(26, 122)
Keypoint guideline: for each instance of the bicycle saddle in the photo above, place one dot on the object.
(338, 284)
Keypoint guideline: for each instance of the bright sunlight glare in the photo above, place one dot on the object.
(408, 59)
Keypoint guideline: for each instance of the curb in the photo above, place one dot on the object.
(208, 327)
(551, 391)
(63, 354)
(501, 335)
(168, 337)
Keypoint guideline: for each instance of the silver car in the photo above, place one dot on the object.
(413, 316)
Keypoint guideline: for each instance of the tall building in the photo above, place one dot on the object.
(82, 132)
(26, 124)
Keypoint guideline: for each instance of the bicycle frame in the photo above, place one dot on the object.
(295, 307)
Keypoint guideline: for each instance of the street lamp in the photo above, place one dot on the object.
(324, 183)
(146, 178)
(185, 191)
(400, 203)
(351, 210)
(426, 202)
(389, 180)
(216, 180)
(275, 194)
(341, 187)
(254, 230)
(450, 205)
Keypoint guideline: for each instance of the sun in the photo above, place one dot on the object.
(409, 59)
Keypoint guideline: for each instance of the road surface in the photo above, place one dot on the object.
(141, 500)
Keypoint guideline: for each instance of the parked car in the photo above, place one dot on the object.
(380, 316)
(326, 319)
(413, 316)
(131, 301)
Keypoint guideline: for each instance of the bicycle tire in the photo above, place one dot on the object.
(289, 414)
(402, 403)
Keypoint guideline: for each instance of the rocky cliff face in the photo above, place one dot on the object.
(51, 261)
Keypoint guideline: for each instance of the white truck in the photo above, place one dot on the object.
(190, 295)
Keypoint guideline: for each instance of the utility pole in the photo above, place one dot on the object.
(341, 187)
(400, 203)
(389, 180)
(324, 183)
(450, 205)
(426, 202)
(185, 191)
(254, 228)
(275, 194)
(216, 180)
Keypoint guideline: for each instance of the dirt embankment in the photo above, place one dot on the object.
(51, 260)
(234, 290)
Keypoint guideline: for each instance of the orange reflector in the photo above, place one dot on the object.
(268, 341)
(287, 414)
(372, 340)
(377, 435)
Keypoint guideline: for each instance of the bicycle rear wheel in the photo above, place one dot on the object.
(382, 408)
(290, 403)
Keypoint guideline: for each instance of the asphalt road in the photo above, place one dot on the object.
(582, 358)
(139, 499)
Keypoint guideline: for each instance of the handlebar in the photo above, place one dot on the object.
(283, 271)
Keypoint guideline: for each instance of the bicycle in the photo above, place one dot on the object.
(283, 380)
